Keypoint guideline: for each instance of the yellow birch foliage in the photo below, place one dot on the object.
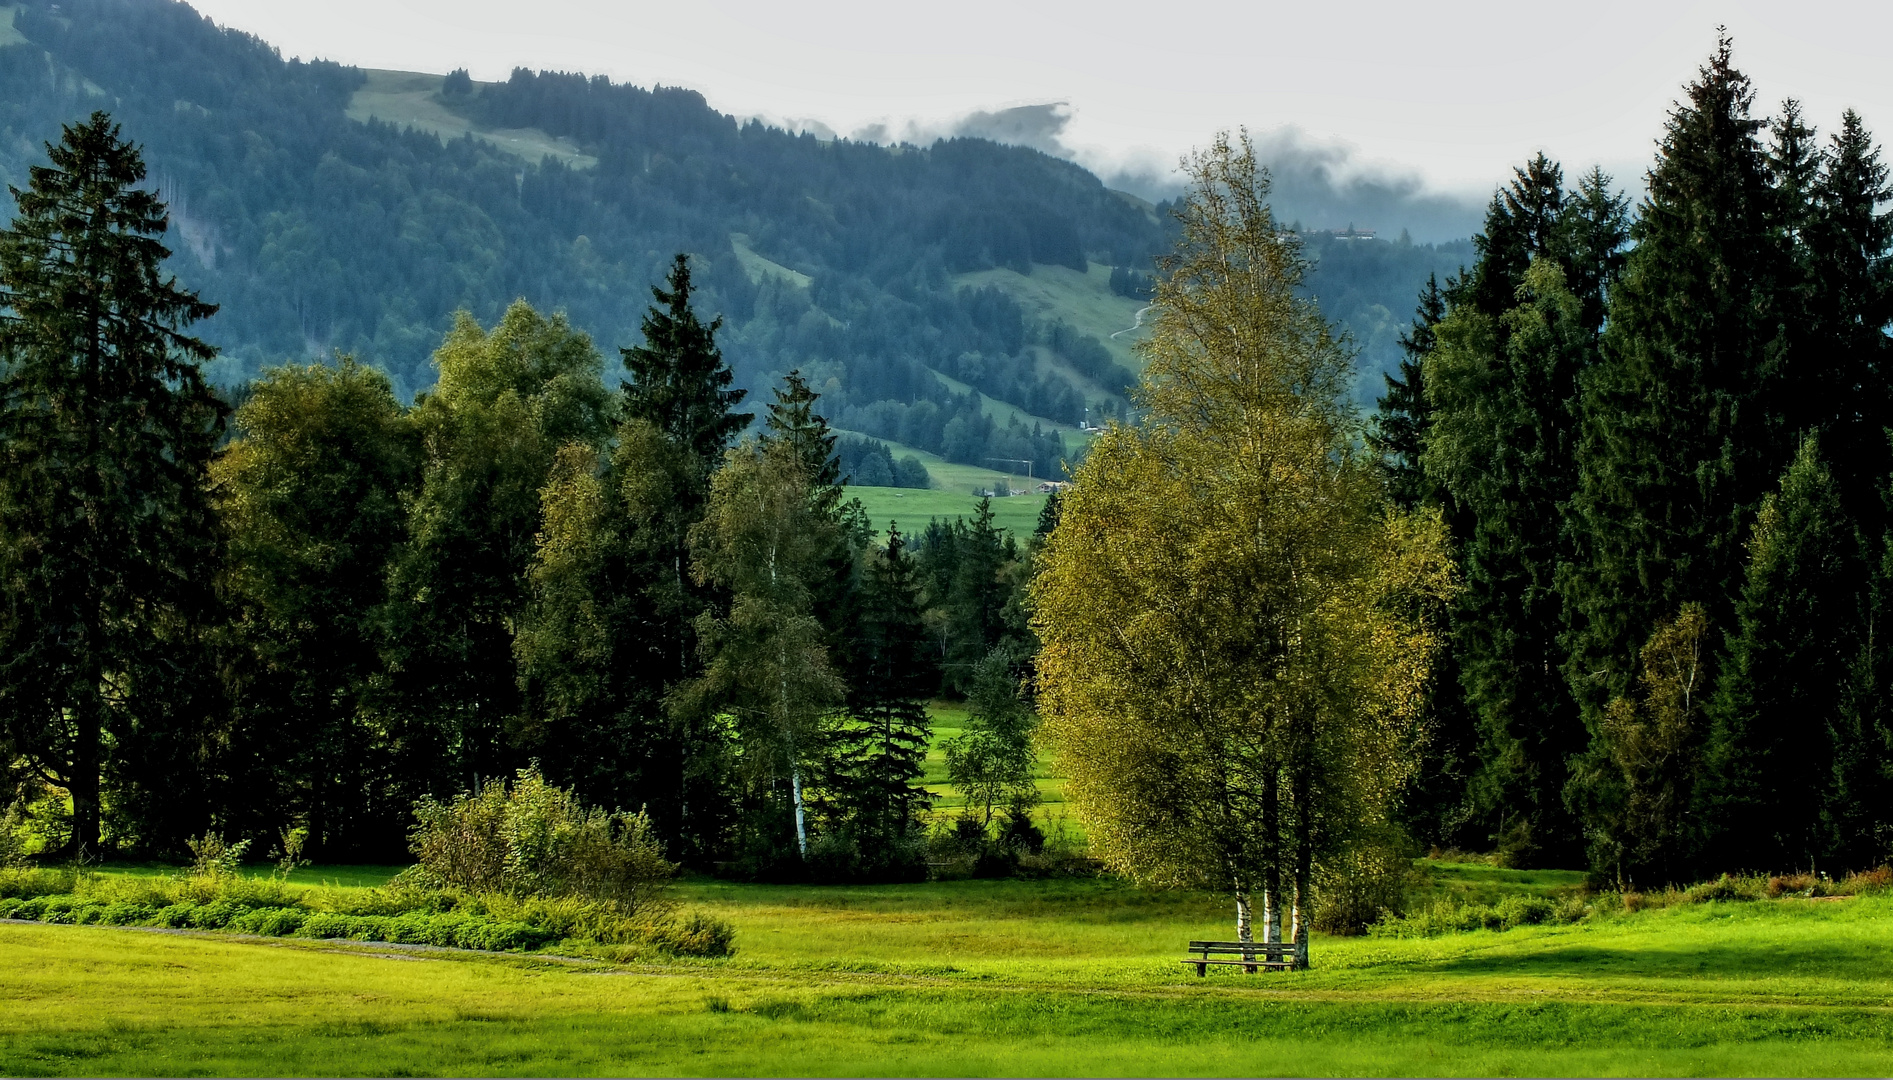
(1231, 614)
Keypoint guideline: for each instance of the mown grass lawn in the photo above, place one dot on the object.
(1052, 977)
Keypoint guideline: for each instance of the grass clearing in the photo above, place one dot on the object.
(1084, 301)
(1053, 977)
(912, 508)
(412, 99)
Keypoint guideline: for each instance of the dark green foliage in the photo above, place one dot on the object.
(1501, 373)
(508, 401)
(1840, 384)
(107, 542)
(870, 463)
(1400, 424)
(879, 753)
(679, 382)
(970, 571)
(1676, 447)
(311, 496)
(610, 631)
(1778, 705)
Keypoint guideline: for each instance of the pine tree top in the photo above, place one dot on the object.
(679, 381)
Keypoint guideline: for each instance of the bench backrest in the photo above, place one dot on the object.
(1267, 949)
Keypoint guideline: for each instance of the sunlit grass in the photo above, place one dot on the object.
(1074, 976)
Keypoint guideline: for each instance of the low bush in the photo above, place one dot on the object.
(530, 838)
(1723, 888)
(27, 881)
(1445, 917)
(402, 915)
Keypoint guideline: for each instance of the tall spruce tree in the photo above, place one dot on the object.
(108, 545)
(1769, 763)
(1675, 448)
(680, 386)
(1846, 376)
(1402, 414)
(1502, 440)
(890, 676)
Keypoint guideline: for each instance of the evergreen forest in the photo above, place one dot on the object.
(346, 468)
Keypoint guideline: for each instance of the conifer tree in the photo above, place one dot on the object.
(679, 385)
(881, 752)
(792, 419)
(679, 381)
(1770, 758)
(1591, 241)
(1674, 453)
(1503, 389)
(107, 540)
(1847, 374)
(1403, 415)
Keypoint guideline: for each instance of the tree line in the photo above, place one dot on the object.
(316, 607)
(1660, 442)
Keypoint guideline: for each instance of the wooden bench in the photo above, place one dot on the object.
(1251, 955)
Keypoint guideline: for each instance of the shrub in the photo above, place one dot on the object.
(534, 839)
(211, 857)
(28, 882)
(1723, 888)
(122, 913)
(1522, 911)
(697, 935)
(1363, 885)
(272, 922)
(840, 857)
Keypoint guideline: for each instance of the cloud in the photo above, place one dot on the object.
(1321, 183)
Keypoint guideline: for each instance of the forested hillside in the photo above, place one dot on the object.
(959, 298)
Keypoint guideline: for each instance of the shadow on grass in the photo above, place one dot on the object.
(1753, 956)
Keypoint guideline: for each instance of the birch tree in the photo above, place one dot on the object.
(765, 541)
(1230, 610)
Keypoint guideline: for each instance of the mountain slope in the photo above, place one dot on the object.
(328, 208)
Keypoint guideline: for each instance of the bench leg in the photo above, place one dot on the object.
(1202, 971)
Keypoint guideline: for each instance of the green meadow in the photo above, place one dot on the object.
(912, 508)
(1055, 976)
(1051, 977)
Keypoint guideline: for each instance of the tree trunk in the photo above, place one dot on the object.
(1272, 861)
(1244, 931)
(86, 765)
(1304, 877)
(801, 824)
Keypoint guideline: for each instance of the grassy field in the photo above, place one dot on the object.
(912, 508)
(1085, 301)
(1056, 977)
(412, 99)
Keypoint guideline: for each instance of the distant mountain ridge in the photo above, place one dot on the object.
(956, 298)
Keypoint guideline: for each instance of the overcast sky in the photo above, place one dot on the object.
(1450, 93)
